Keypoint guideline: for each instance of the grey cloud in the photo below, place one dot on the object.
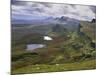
(93, 8)
(74, 13)
(39, 10)
(46, 4)
(52, 9)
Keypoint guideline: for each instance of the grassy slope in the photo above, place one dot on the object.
(85, 65)
(89, 29)
(58, 51)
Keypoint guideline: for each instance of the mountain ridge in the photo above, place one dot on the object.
(48, 20)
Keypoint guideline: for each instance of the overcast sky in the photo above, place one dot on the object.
(38, 10)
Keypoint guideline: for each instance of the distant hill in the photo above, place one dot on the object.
(49, 26)
(48, 20)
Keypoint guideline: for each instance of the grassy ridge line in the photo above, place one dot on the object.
(85, 65)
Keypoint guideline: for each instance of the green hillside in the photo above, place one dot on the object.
(89, 29)
(69, 50)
